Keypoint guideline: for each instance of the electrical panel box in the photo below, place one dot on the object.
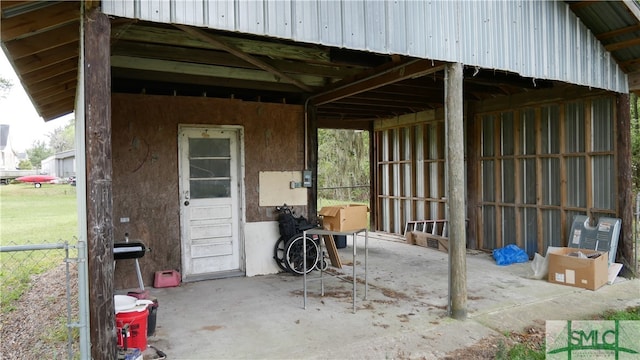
(306, 178)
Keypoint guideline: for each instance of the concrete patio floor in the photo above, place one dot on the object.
(404, 316)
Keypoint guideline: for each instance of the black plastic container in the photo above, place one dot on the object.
(341, 241)
(151, 319)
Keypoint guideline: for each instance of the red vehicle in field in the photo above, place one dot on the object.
(37, 180)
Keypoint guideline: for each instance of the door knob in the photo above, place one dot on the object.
(186, 203)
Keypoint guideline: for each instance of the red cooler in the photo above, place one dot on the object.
(135, 335)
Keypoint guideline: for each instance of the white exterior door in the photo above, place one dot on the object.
(209, 160)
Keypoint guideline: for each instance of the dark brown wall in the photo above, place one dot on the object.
(145, 166)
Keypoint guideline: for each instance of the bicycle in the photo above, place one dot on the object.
(288, 250)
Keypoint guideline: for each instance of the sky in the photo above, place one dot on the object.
(16, 110)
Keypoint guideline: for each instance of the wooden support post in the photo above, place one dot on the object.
(97, 110)
(473, 178)
(454, 104)
(624, 208)
(311, 134)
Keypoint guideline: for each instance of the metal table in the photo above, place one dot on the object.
(354, 233)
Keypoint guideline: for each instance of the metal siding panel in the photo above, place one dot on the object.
(539, 39)
(154, 10)
(250, 16)
(378, 30)
(396, 29)
(278, 19)
(221, 14)
(120, 8)
(353, 25)
(190, 12)
(306, 21)
(330, 23)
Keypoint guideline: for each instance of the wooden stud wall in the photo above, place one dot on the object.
(541, 159)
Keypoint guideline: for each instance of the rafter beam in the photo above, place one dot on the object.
(203, 36)
(130, 62)
(411, 69)
(617, 32)
(622, 44)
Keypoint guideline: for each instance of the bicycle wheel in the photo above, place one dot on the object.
(294, 255)
(278, 253)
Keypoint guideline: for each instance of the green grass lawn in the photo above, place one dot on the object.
(30, 216)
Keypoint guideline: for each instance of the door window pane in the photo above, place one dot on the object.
(209, 147)
(201, 189)
(210, 168)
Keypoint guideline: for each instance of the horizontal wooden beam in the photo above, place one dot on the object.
(51, 71)
(217, 57)
(172, 36)
(617, 32)
(213, 40)
(622, 44)
(43, 41)
(43, 59)
(121, 76)
(41, 20)
(129, 62)
(412, 69)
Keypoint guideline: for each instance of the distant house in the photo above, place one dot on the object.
(8, 159)
(62, 164)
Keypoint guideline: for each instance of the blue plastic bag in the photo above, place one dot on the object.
(510, 254)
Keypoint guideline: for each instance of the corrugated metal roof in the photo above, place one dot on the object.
(538, 39)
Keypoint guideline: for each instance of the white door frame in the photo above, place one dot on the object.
(240, 201)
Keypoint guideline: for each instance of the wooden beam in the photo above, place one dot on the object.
(50, 71)
(577, 5)
(216, 57)
(455, 197)
(46, 58)
(208, 38)
(411, 69)
(152, 77)
(34, 22)
(617, 32)
(172, 36)
(622, 44)
(43, 41)
(166, 66)
(97, 94)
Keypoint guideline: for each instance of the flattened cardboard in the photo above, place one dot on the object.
(590, 273)
(427, 240)
(332, 250)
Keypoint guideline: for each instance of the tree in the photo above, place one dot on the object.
(63, 138)
(38, 152)
(343, 161)
(5, 87)
(25, 165)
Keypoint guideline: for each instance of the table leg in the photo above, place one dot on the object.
(354, 272)
(304, 268)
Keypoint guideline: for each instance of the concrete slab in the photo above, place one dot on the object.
(404, 316)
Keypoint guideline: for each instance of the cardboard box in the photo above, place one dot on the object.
(568, 269)
(344, 218)
(427, 240)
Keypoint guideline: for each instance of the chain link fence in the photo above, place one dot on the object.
(39, 300)
(330, 196)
